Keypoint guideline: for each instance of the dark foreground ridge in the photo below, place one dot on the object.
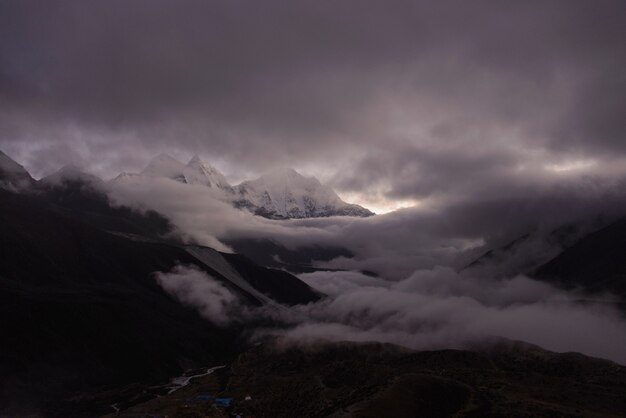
(501, 379)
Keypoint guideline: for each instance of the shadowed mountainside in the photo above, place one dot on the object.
(596, 263)
(82, 309)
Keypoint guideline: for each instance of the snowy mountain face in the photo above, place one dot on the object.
(195, 172)
(280, 194)
(165, 166)
(200, 172)
(284, 193)
(13, 176)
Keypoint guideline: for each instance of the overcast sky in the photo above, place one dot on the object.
(391, 102)
(491, 119)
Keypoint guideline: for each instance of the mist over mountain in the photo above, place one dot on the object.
(284, 193)
(348, 209)
(12, 175)
(198, 217)
(195, 172)
(280, 194)
(139, 245)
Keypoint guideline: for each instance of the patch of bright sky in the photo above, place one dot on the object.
(378, 204)
(574, 165)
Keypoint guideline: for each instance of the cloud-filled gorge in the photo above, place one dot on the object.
(431, 309)
(421, 296)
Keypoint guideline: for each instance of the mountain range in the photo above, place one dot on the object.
(280, 194)
(590, 258)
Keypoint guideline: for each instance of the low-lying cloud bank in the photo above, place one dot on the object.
(431, 309)
(439, 308)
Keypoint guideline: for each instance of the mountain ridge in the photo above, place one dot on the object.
(282, 193)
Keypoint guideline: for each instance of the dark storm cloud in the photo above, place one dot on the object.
(311, 84)
(477, 109)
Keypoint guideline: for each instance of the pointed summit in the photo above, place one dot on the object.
(201, 172)
(194, 160)
(164, 165)
(195, 172)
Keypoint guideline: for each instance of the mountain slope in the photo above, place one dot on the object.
(85, 197)
(272, 282)
(284, 193)
(12, 175)
(71, 174)
(86, 311)
(270, 253)
(526, 252)
(165, 166)
(596, 263)
(200, 172)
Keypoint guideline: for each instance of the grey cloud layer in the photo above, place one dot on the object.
(430, 309)
(463, 90)
(438, 308)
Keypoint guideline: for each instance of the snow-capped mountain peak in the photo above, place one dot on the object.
(285, 193)
(287, 175)
(164, 165)
(281, 193)
(196, 171)
(195, 160)
(201, 172)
